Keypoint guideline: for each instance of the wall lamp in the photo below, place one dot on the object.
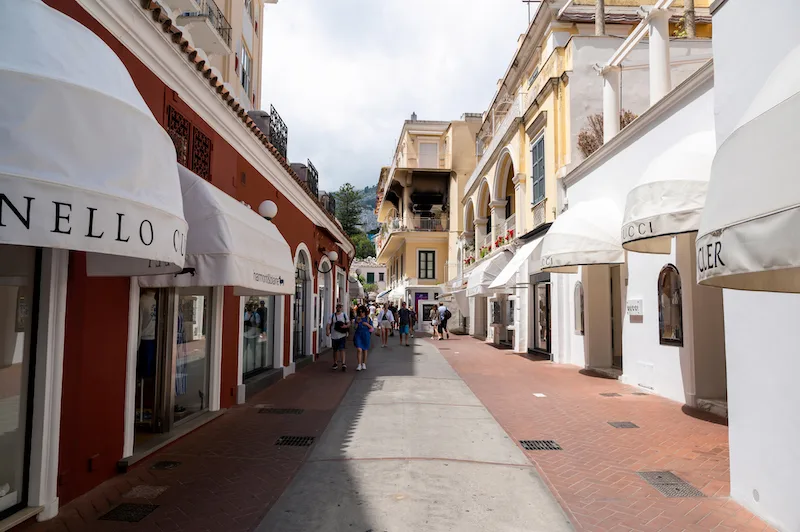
(268, 209)
(333, 256)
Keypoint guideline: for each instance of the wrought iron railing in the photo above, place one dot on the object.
(312, 178)
(510, 224)
(278, 133)
(209, 9)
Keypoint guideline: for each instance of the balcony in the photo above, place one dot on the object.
(426, 224)
(539, 213)
(208, 27)
(510, 224)
(182, 6)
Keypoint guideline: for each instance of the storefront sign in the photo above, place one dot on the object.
(56, 216)
(635, 307)
(709, 256)
(637, 231)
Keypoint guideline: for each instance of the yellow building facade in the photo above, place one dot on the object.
(419, 207)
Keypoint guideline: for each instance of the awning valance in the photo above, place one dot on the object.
(229, 245)
(669, 198)
(484, 273)
(461, 301)
(530, 251)
(83, 163)
(748, 237)
(586, 234)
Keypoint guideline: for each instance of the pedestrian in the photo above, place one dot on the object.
(385, 318)
(413, 321)
(337, 329)
(404, 319)
(434, 317)
(372, 310)
(444, 315)
(393, 311)
(362, 337)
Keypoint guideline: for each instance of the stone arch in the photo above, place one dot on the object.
(469, 216)
(504, 172)
(484, 198)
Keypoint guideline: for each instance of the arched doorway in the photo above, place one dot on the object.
(325, 306)
(302, 278)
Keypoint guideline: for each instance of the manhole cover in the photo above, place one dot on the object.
(282, 411)
(129, 512)
(145, 492)
(165, 465)
(623, 425)
(376, 385)
(540, 445)
(611, 394)
(669, 484)
(295, 441)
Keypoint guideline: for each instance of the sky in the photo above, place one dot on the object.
(345, 74)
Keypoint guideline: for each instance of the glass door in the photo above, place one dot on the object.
(192, 353)
(258, 335)
(19, 281)
(542, 311)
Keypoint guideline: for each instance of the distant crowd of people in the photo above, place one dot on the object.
(383, 319)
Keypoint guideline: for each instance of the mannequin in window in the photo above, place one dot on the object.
(148, 314)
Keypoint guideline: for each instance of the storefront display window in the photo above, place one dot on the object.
(541, 302)
(192, 352)
(670, 307)
(18, 279)
(300, 286)
(579, 310)
(258, 330)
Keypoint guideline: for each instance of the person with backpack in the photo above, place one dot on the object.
(444, 315)
(362, 337)
(404, 319)
(385, 319)
(337, 329)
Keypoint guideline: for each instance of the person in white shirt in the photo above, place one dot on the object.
(372, 311)
(337, 329)
(386, 321)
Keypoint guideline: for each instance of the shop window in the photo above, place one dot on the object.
(579, 310)
(537, 165)
(371, 277)
(427, 265)
(192, 352)
(258, 331)
(670, 307)
(246, 70)
(497, 313)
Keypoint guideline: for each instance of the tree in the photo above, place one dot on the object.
(590, 138)
(348, 208)
(689, 19)
(364, 246)
(600, 17)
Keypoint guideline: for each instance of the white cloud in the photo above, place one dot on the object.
(344, 74)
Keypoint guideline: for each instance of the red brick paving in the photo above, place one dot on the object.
(594, 477)
(231, 473)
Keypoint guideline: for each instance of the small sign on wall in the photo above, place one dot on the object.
(634, 307)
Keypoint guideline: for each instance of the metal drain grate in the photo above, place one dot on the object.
(128, 512)
(165, 465)
(623, 425)
(376, 386)
(540, 445)
(669, 484)
(145, 491)
(611, 394)
(295, 441)
(281, 411)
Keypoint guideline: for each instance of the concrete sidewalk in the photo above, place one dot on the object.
(412, 449)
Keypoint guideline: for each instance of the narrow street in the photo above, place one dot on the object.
(426, 439)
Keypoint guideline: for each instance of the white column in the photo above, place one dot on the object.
(611, 79)
(407, 214)
(480, 233)
(658, 29)
(519, 207)
(498, 217)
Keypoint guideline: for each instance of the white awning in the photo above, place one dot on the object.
(748, 237)
(461, 301)
(399, 292)
(229, 245)
(530, 251)
(586, 234)
(669, 198)
(356, 288)
(83, 163)
(484, 273)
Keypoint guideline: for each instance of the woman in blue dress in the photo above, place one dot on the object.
(361, 337)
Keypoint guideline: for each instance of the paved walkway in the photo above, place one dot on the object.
(595, 475)
(412, 449)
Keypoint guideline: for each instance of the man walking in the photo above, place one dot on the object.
(393, 311)
(338, 326)
(444, 315)
(404, 320)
